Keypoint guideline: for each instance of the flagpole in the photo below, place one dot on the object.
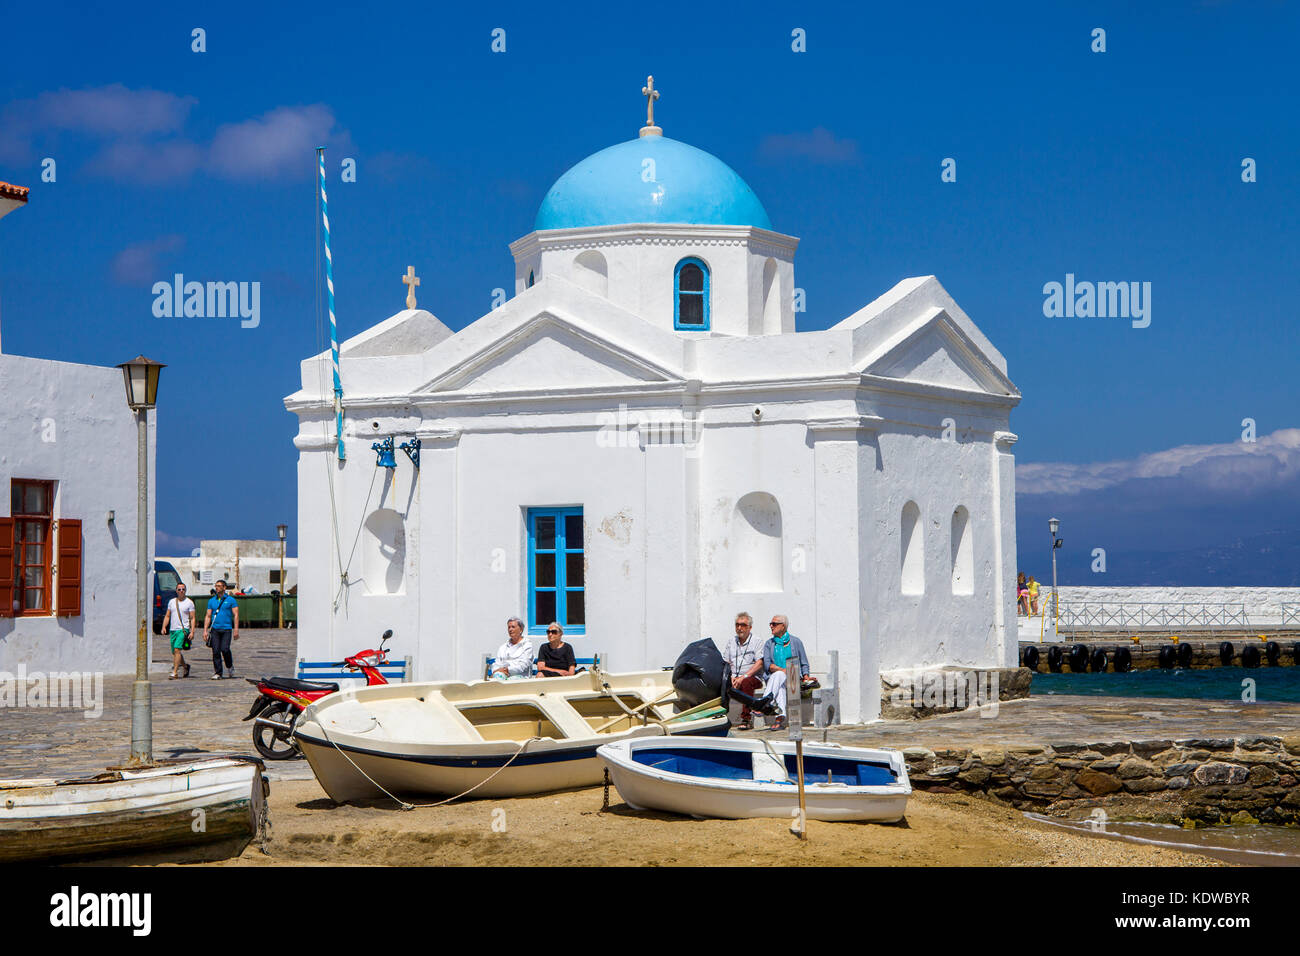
(334, 332)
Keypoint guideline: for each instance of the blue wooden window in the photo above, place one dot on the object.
(530, 278)
(691, 295)
(557, 576)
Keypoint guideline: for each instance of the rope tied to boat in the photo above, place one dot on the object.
(402, 804)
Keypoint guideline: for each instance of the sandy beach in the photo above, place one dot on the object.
(569, 829)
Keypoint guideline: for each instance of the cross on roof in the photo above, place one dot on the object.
(411, 280)
(650, 94)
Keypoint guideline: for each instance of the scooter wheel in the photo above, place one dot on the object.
(273, 742)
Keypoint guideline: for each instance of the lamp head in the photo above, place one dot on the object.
(141, 378)
(1054, 524)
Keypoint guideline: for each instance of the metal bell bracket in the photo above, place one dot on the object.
(412, 449)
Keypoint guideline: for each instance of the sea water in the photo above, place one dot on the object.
(1266, 684)
(1251, 845)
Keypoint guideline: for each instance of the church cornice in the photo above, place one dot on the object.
(761, 241)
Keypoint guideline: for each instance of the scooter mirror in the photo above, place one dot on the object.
(388, 633)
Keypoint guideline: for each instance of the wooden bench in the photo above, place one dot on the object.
(579, 663)
(820, 707)
(395, 672)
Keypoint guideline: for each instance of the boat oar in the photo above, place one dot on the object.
(794, 720)
(630, 711)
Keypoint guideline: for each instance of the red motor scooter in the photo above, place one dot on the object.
(282, 699)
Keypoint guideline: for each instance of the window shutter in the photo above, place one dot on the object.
(69, 598)
(6, 567)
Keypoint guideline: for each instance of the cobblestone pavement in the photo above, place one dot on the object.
(193, 716)
(200, 715)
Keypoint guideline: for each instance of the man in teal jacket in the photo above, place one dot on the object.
(777, 652)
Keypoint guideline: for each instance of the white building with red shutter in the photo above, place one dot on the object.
(67, 512)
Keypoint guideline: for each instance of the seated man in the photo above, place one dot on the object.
(515, 656)
(555, 658)
(778, 650)
(742, 653)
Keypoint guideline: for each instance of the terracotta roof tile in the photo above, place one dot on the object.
(10, 191)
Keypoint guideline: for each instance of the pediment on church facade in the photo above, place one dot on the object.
(935, 350)
(550, 353)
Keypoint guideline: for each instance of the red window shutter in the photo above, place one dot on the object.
(6, 567)
(69, 600)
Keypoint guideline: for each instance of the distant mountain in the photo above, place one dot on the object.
(1271, 559)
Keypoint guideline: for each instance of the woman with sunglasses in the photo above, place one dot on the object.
(555, 658)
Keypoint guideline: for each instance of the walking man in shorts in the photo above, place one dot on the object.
(220, 627)
(178, 625)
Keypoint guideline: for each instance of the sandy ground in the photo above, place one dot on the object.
(569, 829)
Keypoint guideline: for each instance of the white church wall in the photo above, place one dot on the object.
(927, 622)
(69, 423)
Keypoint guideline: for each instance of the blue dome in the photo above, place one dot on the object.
(689, 186)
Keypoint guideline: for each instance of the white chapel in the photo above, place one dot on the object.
(639, 444)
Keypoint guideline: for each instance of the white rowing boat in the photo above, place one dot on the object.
(487, 738)
(216, 803)
(739, 778)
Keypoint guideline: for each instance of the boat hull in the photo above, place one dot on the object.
(211, 808)
(647, 788)
(544, 767)
(487, 738)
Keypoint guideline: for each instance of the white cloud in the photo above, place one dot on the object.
(140, 135)
(271, 144)
(1271, 462)
(138, 263)
(819, 145)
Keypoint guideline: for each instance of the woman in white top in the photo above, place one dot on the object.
(178, 625)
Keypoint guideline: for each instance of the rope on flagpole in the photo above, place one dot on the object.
(334, 332)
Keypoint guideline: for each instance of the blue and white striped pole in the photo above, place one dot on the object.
(334, 332)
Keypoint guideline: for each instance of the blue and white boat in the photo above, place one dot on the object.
(737, 778)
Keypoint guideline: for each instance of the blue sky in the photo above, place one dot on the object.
(1115, 166)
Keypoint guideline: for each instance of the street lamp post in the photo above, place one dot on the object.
(1054, 525)
(141, 378)
(281, 530)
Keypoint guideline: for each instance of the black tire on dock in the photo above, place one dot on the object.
(1097, 662)
(1273, 652)
(1295, 653)
(1166, 657)
(1250, 656)
(1225, 653)
(1123, 658)
(1079, 658)
(1030, 658)
(1054, 655)
(1184, 656)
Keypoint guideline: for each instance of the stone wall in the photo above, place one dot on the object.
(1195, 781)
(946, 690)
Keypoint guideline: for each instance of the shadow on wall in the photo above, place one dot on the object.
(383, 560)
(757, 565)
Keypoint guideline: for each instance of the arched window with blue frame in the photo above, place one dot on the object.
(691, 295)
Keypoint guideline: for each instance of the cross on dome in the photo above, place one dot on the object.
(650, 94)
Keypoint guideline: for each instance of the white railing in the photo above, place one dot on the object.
(1096, 616)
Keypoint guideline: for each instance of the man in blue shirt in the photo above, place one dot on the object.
(220, 627)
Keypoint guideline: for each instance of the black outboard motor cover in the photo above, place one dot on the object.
(701, 674)
(698, 675)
